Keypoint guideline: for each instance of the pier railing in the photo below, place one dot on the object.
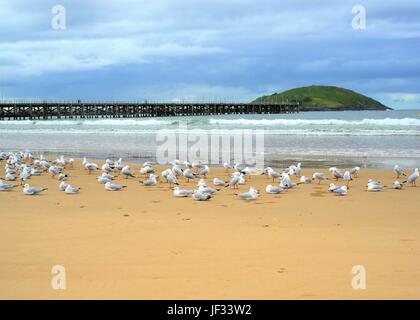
(12, 110)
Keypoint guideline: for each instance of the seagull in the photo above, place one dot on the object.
(10, 177)
(177, 170)
(374, 186)
(25, 175)
(6, 186)
(182, 193)
(62, 177)
(28, 190)
(203, 172)
(107, 176)
(36, 172)
(298, 169)
(273, 189)
(252, 194)
(218, 182)
(347, 177)
(152, 181)
(201, 182)
(62, 186)
(413, 177)
(126, 171)
(91, 167)
(235, 180)
(305, 180)
(54, 170)
(332, 187)
(251, 171)
(399, 171)
(71, 190)
(172, 180)
(147, 170)
(336, 173)
(201, 196)
(397, 185)
(113, 187)
(188, 174)
(286, 182)
(207, 189)
(273, 174)
(107, 167)
(103, 180)
(319, 176)
(227, 166)
(355, 171)
(341, 191)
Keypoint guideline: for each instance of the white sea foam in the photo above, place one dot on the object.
(322, 122)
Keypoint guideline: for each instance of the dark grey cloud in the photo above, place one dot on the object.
(167, 49)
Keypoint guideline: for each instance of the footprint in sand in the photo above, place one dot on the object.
(156, 201)
(126, 215)
(186, 219)
(282, 270)
(265, 225)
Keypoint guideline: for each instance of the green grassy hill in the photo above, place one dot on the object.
(325, 98)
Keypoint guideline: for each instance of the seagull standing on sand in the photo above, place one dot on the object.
(273, 174)
(399, 171)
(319, 176)
(90, 166)
(126, 171)
(172, 180)
(412, 178)
(235, 180)
(189, 175)
(336, 173)
(355, 171)
(203, 172)
(347, 177)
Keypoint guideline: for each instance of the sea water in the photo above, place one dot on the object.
(367, 138)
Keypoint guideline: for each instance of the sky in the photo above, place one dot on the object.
(207, 50)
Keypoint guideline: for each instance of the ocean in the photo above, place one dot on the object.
(366, 138)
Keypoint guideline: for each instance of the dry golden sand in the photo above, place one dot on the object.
(143, 243)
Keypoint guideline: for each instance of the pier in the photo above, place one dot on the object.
(69, 110)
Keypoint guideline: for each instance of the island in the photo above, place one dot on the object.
(324, 98)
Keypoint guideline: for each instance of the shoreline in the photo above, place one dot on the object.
(143, 243)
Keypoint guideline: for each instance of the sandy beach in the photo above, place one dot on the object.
(143, 243)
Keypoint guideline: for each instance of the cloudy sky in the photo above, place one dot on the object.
(208, 49)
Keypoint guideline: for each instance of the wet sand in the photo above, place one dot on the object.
(143, 243)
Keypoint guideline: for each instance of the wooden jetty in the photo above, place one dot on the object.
(79, 109)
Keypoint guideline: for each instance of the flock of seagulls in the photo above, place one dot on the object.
(21, 166)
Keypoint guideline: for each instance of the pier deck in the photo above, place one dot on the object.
(69, 110)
